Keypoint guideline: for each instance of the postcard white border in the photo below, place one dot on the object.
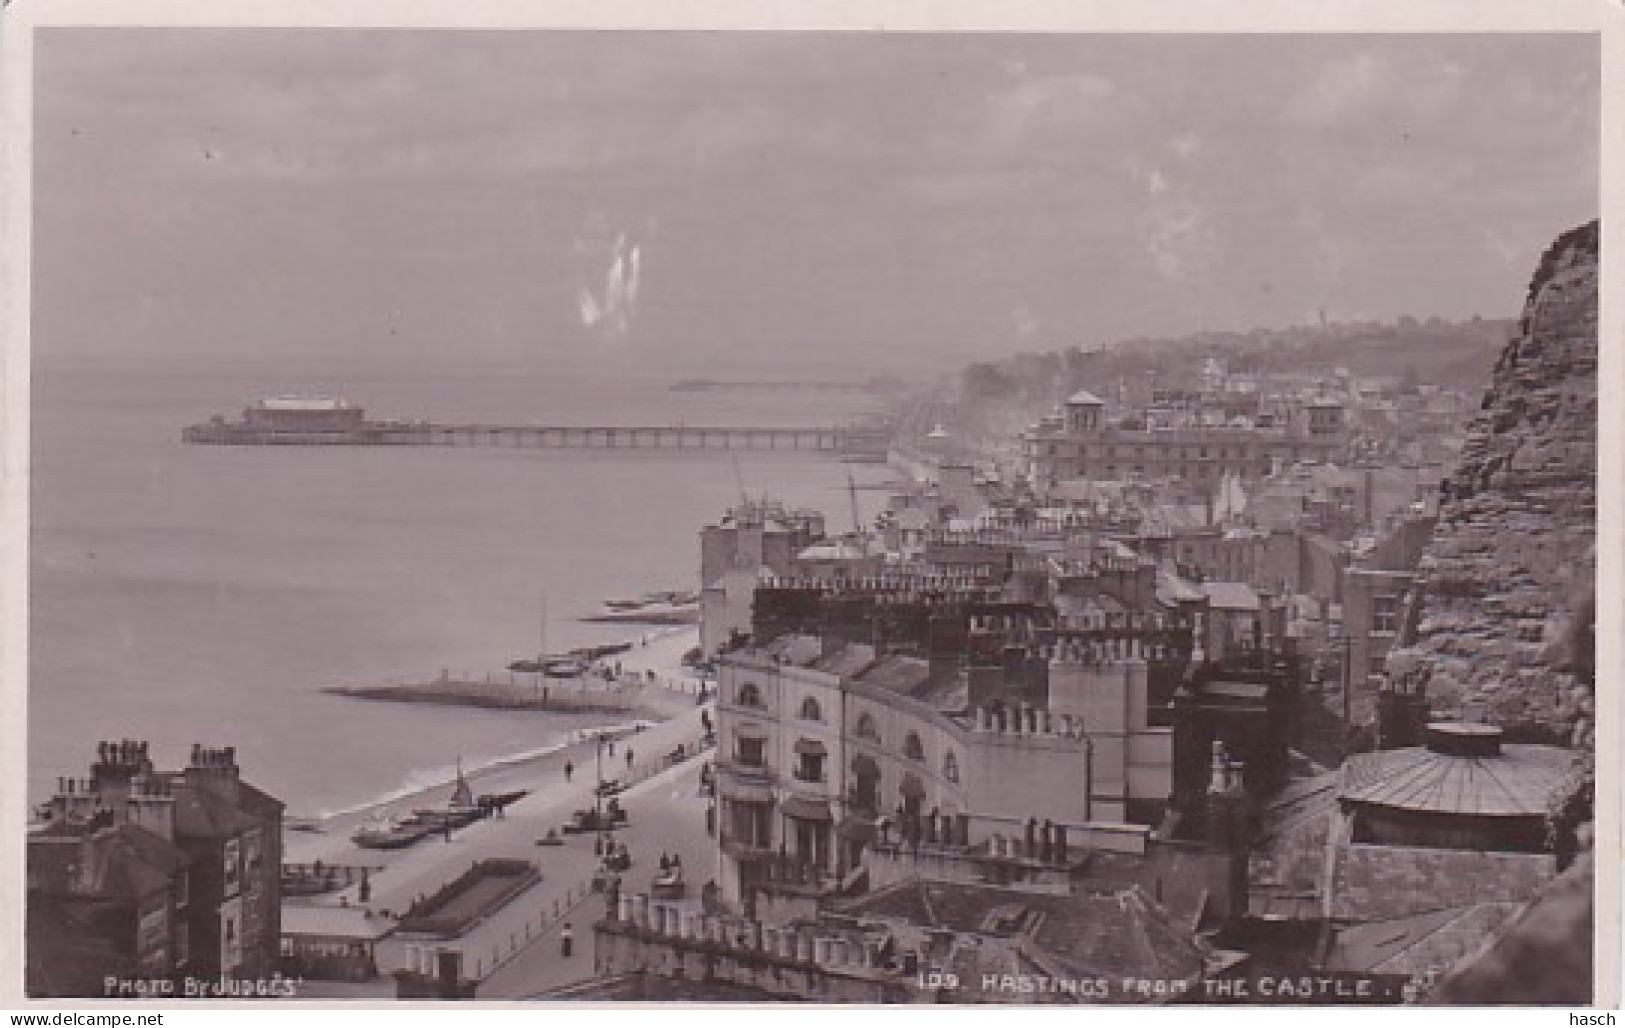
(22, 18)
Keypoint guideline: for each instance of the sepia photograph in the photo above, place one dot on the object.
(769, 515)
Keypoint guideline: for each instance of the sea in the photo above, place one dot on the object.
(188, 594)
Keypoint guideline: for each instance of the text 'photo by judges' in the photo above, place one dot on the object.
(863, 517)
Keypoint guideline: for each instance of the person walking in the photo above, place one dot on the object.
(569, 769)
(566, 941)
(629, 758)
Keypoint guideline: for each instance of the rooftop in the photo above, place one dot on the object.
(1121, 933)
(1230, 595)
(330, 922)
(899, 674)
(1508, 781)
(303, 403)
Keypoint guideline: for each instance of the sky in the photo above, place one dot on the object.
(709, 201)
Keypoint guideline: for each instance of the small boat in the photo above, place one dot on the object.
(552, 667)
(460, 809)
(391, 834)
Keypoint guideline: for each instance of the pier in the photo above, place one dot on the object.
(840, 441)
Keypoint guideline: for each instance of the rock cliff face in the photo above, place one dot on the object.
(1500, 626)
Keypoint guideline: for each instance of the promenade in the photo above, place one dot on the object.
(515, 951)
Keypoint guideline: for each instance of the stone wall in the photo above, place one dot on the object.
(1506, 580)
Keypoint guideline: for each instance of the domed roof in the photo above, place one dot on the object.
(1464, 769)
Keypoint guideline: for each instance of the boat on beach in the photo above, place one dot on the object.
(460, 810)
(392, 833)
(667, 607)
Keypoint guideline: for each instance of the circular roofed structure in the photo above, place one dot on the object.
(1465, 789)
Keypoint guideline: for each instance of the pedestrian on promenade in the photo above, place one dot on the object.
(569, 769)
(629, 758)
(566, 940)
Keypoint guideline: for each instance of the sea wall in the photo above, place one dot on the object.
(1500, 622)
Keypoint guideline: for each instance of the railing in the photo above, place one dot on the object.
(520, 940)
(641, 771)
(760, 773)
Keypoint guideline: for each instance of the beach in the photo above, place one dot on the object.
(673, 695)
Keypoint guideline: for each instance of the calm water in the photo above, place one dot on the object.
(194, 593)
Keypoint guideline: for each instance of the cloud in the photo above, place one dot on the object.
(1180, 239)
(1342, 88)
(1040, 106)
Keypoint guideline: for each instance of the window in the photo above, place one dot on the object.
(866, 728)
(1384, 615)
(751, 752)
(810, 767)
(950, 767)
(810, 711)
(912, 747)
(750, 695)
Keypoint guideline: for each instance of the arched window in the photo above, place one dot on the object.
(913, 749)
(810, 711)
(866, 728)
(950, 767)
(750, 695)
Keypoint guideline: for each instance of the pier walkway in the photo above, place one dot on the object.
(848, 440)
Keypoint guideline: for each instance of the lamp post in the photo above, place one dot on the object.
(1088, 772)
(1348, 673)
(598, 790)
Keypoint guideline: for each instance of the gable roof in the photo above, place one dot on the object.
(68, 951)
(122, 862)
(1117, 934)
(1230, 595)
(1418, 944)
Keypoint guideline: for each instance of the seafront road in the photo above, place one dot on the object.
(667, 813)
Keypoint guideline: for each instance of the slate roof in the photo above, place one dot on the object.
(1518, 782)
(1230, 595)
(897, 673)
(1553, 933)
(67, 947)
(201, 813)
(846, 661)
(1125, 935)
(1417, 944)
(1373, 883)
(1172, 590)
(800, 650)
(1117, 934)
(119, 862)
